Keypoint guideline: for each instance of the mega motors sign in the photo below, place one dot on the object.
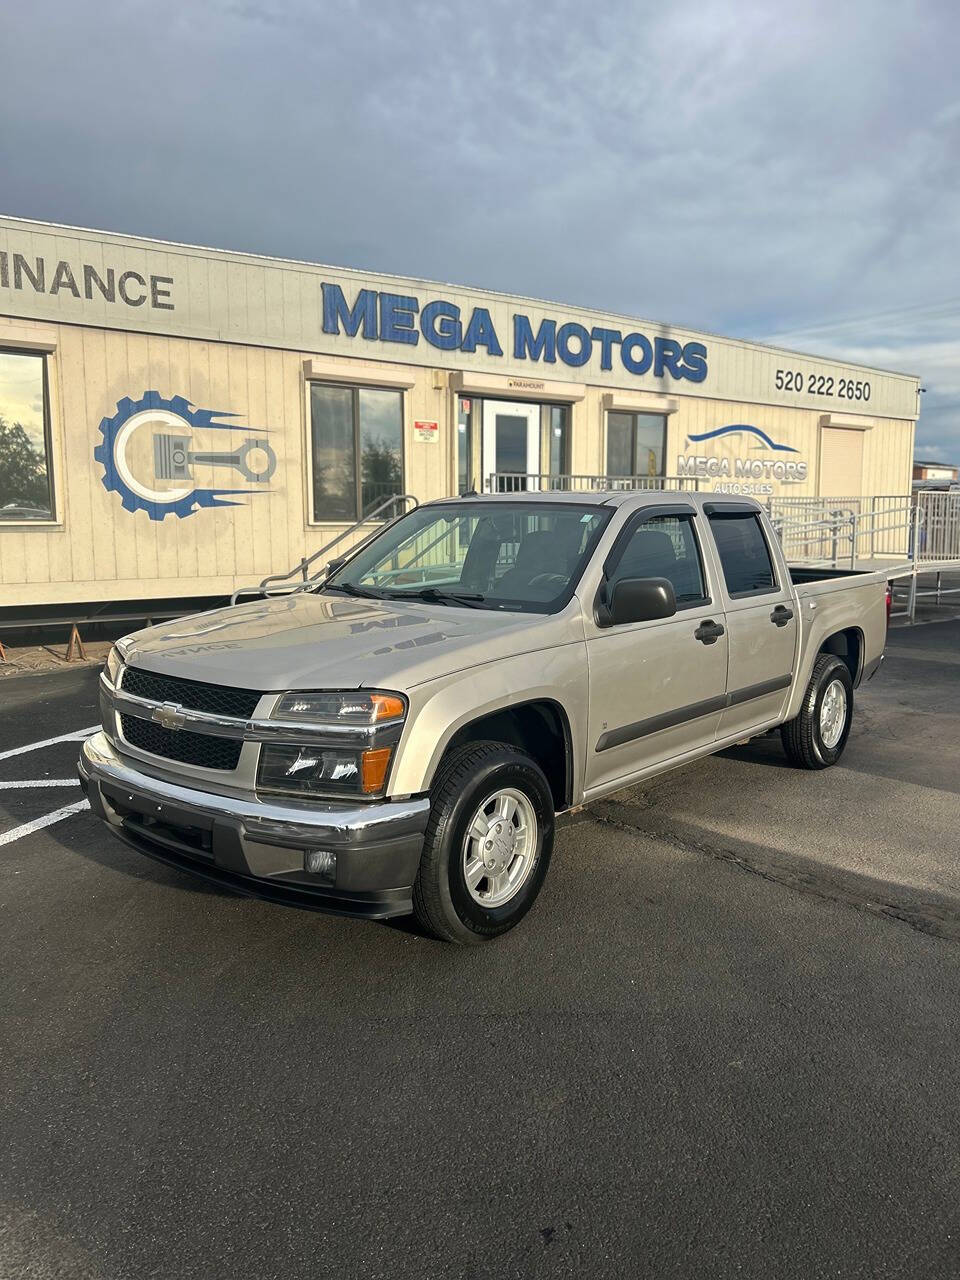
(751, 461)
(442, 324)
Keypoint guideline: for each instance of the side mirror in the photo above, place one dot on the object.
(640, 600)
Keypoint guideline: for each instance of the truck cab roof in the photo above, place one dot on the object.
(636, 498)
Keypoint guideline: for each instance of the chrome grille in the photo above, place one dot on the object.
(192, 694)
(200, 749)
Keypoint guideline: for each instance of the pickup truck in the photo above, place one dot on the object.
(399, 735)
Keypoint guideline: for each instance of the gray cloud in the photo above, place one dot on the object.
(752, 168)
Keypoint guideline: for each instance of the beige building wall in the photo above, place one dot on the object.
(97, 550)
(244, 336)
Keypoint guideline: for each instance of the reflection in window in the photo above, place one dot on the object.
(25, 475)
(558, 417)
(502, 555)
(743, 552)
(635, 444)
(464, 444)
(357, 449)
(663, 547)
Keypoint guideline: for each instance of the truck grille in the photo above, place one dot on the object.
(192, 694)
(200, 749)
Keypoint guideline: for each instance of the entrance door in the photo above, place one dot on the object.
(511, 444)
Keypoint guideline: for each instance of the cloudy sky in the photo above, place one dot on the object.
(785, 171)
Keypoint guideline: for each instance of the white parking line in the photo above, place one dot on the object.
(48, 819)
(40, 782)
(49, 742)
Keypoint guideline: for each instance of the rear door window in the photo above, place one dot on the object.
(744, 555)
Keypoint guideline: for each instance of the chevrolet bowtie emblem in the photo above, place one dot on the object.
(169, 715)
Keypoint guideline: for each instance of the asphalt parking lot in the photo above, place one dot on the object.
(724, 1043)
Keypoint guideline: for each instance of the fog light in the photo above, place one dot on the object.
(321, 862)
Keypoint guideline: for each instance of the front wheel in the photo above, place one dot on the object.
(816, 736)
(487, 845)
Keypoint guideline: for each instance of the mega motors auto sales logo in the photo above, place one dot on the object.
(155, 453)
(747, 467)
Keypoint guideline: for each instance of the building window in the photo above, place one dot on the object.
(558, 438)
(357, 449)
(465, 416)
(26, 474)
(636, 444)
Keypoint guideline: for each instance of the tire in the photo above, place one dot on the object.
(495, 775)
(810, 744)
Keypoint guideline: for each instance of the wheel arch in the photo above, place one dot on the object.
(540, 726)
(848, 645)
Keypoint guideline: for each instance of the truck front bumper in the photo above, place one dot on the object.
(258, 847)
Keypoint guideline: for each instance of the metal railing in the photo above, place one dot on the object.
(920, 530)
(922, 527)
(832, 531)
(543, 482)
(384, 513)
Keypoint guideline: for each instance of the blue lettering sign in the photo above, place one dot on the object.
(395, 317)
(525, 345)
(336, 312)
(695, 358)
(667, 354)
(481, 333)
(606, 338)
(440, 322)
(636, 364)
(584, 348)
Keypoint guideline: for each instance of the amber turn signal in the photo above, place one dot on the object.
(373, 769)
(386, 707)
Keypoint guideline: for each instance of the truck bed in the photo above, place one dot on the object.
(801, 574)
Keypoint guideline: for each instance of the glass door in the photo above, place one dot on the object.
(511, 445)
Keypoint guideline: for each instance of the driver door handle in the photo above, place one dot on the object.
(781, 615)
(709, 632)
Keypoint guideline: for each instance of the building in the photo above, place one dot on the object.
(934, 475)
(179, 421)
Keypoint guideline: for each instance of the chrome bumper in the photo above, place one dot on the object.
(258, 847)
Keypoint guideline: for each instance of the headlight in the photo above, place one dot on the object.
(320, 770)
(363, 730)
(341, 708)
(114, 665)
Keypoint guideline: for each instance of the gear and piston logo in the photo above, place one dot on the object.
(152, 447)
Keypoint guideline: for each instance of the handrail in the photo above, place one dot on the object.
(377, 513)
(923, 528)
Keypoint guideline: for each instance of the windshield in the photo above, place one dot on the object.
(519, 555)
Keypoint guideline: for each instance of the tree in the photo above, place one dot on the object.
(380, 473)
(23, 469)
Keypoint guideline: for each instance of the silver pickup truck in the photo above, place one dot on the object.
(401, 735)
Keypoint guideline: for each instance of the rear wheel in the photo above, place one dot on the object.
(816, 736)
(487, 845)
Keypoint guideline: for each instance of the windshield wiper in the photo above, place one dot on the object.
(349, 589)
(434, 595)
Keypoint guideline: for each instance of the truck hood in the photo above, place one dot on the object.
(310, 641)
